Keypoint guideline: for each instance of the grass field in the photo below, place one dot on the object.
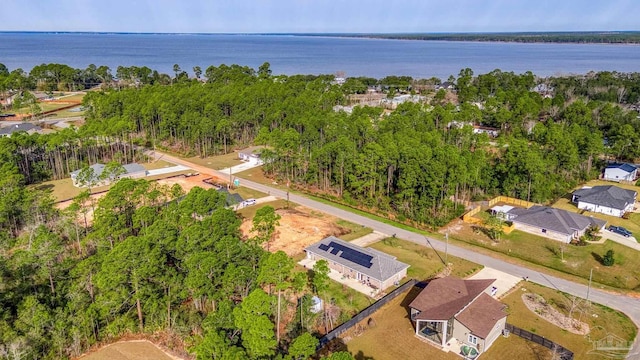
(356, 231)
(216, 162)
(250, 211)
(602, 321)
(247, 193)
(568, 259)
(424, 261)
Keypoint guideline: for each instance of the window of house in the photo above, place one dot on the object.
(473, 339)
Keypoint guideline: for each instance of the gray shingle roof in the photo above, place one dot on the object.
(609, 196)
(382, 267)
(19, 127)
(626, 167)
(133, 168)
(560, 221)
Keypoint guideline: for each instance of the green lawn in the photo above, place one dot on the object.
(216, 162)
(578, 260)
(602, 321)
(424, 261)
(250, 211)
(247, 193)
(355, 231)
(66, 113)
(160, 164)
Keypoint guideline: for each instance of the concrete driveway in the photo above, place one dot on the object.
(504, 282)
(239, 168)
(626, 241)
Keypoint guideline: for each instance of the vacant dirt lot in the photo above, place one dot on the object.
(299, 228)
(130, 350)
(188, 183)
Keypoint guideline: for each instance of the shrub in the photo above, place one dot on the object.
(608, 259)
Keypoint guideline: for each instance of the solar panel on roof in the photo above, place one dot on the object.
(323, 247)
(352, 255)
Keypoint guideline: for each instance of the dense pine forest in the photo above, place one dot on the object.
(67, 282)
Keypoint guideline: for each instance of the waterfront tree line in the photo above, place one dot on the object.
(418, 162)
(69, 279)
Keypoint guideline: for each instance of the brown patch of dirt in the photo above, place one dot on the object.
(187, 183)
(140, 347)
(299, 228)
(539, 305)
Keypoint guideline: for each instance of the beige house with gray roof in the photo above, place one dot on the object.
(369, 266)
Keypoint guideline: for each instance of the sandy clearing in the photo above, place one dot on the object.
(299, 228)
(130, 350)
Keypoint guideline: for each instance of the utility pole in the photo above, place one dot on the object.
(446, 248)
(589, 286)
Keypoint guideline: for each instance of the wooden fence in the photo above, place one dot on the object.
(560, 352)
(366, 313)
(509, 200)
(469, 216)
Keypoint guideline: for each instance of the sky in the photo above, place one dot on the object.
(318, 16)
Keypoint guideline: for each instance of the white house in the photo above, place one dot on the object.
(252, 155)
(610, 200)
(620, 172)
(552, 223)
(133, 171)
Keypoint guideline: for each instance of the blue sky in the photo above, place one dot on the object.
(266, 16)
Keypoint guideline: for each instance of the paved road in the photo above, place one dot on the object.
(626, 304)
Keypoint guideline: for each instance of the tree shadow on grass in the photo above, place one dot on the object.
(598, 258)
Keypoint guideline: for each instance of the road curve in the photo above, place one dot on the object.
(627, 304)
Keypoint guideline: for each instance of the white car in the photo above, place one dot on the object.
(249, 202)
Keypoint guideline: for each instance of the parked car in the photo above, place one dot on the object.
(619, 230)
(249, 202)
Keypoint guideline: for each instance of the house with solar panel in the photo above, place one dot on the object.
(368, 266)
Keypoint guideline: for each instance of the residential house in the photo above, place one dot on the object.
(610, 200)
(620, 172)
(133, 171)
(553, 223)
(252, 155)
(492, 132)
(29, 128)
(369, 266)
(452, 310)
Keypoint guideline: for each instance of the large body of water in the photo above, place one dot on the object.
(312, 55)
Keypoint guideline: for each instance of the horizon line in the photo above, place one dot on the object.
(321, 33)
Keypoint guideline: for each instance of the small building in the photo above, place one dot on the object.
(492, 132)
(132, 171)
(451, 310)
(502, 212)
(252, 155)
(609, 200)
(555, 224)
(369, 266)
(620, 172)
(29, 128)
(316, 305)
